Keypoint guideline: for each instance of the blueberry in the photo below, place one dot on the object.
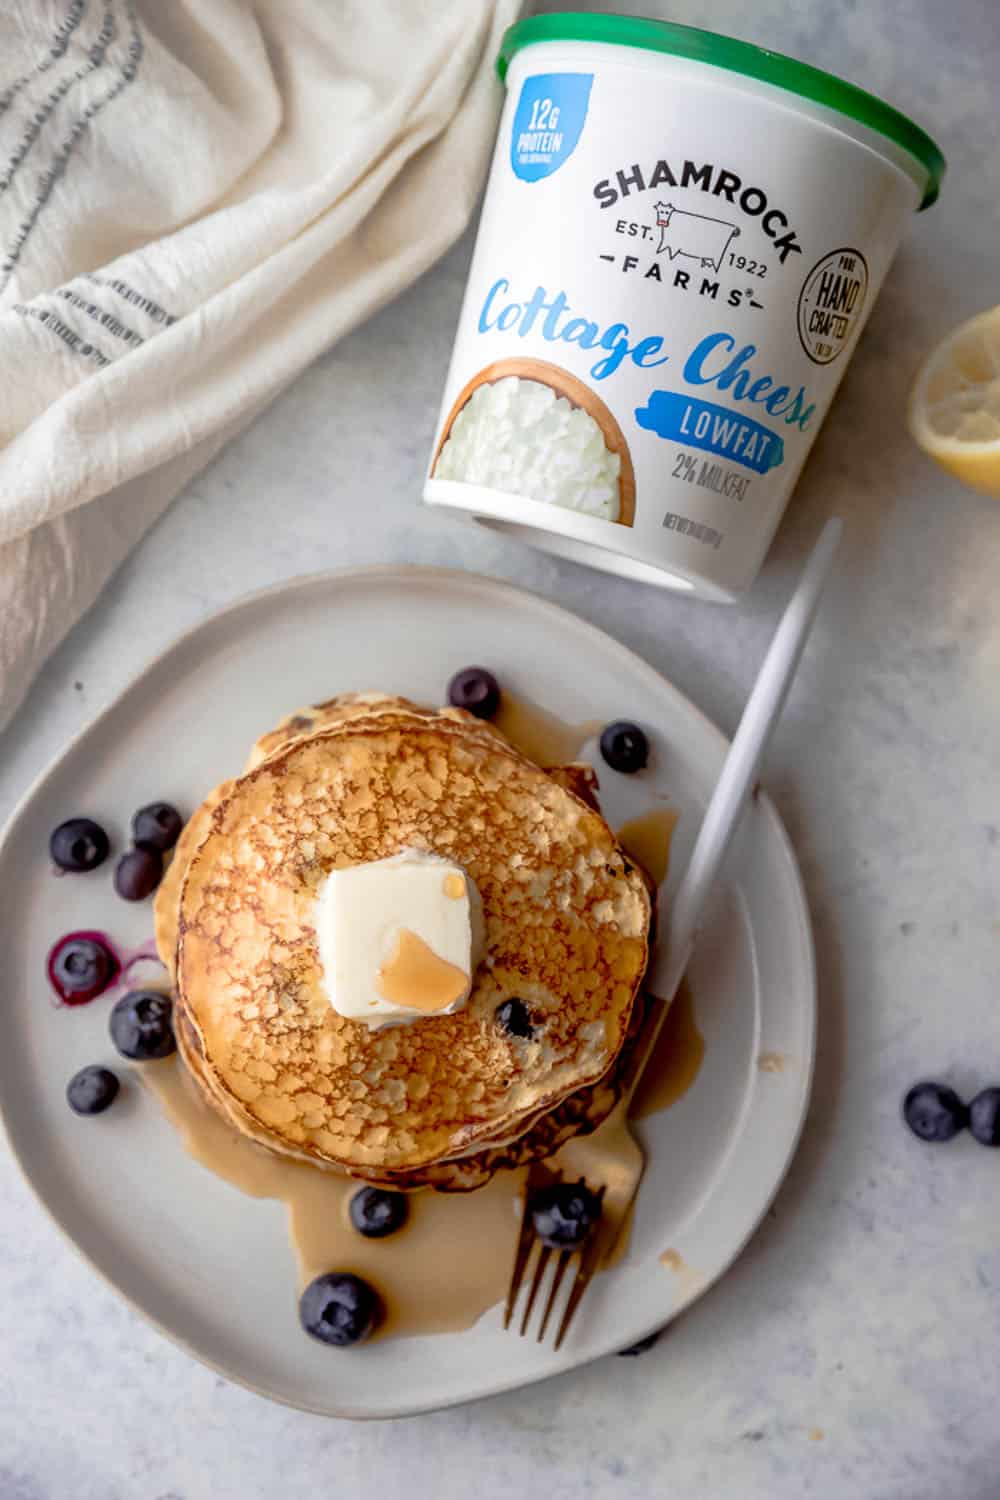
(514, 1017)
(157, 827)
(376, 1212)
(564, 1213)
(475, 690)
(634, 1350)
(79, 844)
(934, 1112)
(90, 1091)
(81, 968)
(984, 1117)
(624, 746)
(140, 1025)
(139, 872)
(339, 1309)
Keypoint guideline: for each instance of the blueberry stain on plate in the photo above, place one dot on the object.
(339, 1309)
(934, 1112)
(476, 690)
(92, 1090)
(82, 966)
(141, 1026)
(624, 747)
(79, 845)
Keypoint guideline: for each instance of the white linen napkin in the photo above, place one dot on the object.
(197, 197)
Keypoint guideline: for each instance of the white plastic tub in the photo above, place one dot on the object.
(682, 238)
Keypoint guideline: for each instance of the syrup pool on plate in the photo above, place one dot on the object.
(439, 1273)
(541, 735)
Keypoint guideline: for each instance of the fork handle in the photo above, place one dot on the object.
(739, 773)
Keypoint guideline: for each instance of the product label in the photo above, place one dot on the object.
(548, 122)
(832, 304)
(670, 276)
(700, 424)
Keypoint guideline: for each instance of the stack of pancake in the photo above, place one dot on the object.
(447, 1100)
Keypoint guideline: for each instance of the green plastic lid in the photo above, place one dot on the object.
(738, 57)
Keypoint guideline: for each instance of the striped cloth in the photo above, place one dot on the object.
(197, 197)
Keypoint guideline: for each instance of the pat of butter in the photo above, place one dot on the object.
(399, 938)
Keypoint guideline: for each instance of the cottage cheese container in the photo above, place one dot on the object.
(682, 239)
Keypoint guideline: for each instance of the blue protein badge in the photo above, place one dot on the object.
(548, 123)
(713, 429)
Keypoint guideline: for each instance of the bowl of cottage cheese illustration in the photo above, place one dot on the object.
(532, 429)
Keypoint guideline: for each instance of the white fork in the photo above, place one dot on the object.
(580, 1158)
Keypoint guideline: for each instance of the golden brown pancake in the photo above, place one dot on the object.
(339, 710)
(578, 1114)
(567, 921)
(581, 1112)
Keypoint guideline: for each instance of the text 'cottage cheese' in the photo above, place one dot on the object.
(681, 241)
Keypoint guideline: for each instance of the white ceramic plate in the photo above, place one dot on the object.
(213, 1268)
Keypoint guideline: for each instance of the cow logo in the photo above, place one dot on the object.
(831, 304)
(694, 235)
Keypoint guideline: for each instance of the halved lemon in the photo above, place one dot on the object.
(955, 404)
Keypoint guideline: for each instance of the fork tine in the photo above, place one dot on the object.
(543, 1259)
(524, 1244)
(564, 1259)
(589, 1262)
